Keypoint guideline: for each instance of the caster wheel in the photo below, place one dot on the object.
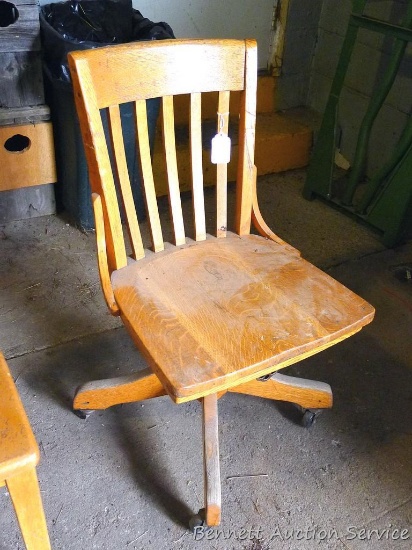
(83, 413)
(198, 520)
(309, 417)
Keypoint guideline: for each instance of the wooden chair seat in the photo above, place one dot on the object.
(209, 314)
(19, 455)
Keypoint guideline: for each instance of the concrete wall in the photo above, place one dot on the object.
(368, 63)
(300, 42)
(214, 18)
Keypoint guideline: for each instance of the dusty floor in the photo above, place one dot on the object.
(131, 476)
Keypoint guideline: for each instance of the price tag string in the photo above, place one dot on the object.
(221, 124)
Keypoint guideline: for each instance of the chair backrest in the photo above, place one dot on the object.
(104, 78)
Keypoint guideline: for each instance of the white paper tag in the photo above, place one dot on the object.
(221, 145)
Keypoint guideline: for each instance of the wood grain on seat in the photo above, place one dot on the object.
(211, 313)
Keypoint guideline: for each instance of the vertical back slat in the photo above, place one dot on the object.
(221, 169)
(122, 173)
(171, 164)
(246, 164)
(198, 200)
(147, 173)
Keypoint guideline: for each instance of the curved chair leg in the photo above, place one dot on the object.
(309, 394)
(101, 394)
(25, 494)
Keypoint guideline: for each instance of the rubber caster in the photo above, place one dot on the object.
(83, 413)
(198, 520)
(309, 417)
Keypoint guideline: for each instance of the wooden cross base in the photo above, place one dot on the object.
(144, 384)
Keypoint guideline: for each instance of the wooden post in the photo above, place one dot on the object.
(211, 460)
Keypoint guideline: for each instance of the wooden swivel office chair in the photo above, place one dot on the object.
(217, 313)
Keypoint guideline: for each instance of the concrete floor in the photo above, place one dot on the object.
(129, 477)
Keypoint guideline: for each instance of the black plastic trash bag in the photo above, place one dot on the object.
(87, 24)
(144, 29)
(104, 22)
